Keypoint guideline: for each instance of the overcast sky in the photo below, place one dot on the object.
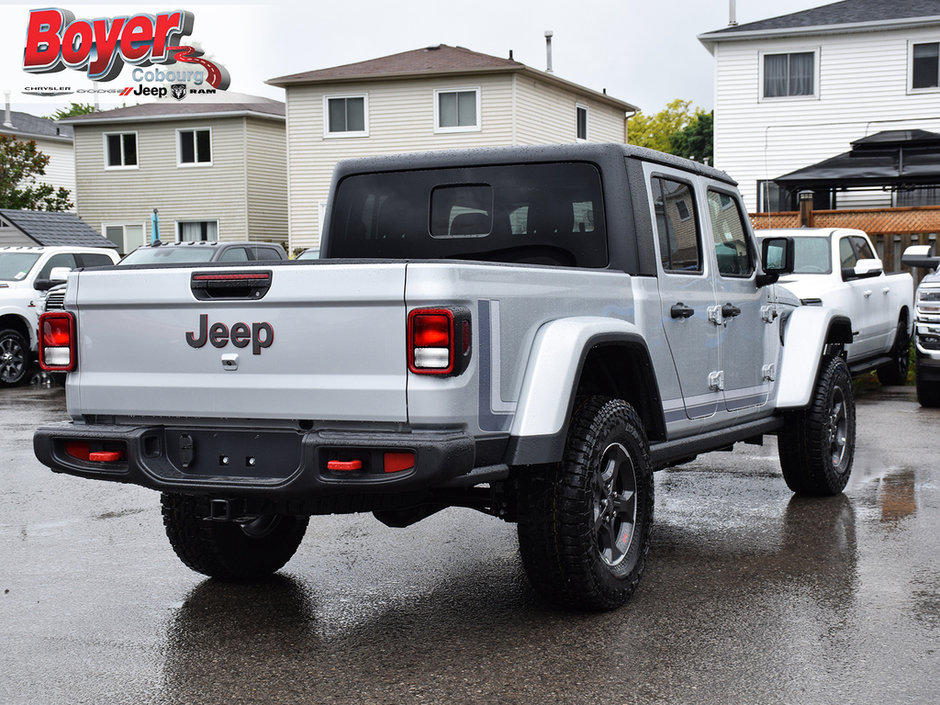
(644, 52)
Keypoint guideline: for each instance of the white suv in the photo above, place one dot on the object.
(25, 276)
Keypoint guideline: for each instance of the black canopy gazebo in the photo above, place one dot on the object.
(897, 160)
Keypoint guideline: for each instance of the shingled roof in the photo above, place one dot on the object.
(51, 229)
(250, 106)
(434, 61)
(29, 126)
(837, 16)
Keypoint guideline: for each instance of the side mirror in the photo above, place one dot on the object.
(868, 268)
(920, 256)
(776, 259)
(58, 275)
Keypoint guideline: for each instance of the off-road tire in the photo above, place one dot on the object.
(928, 391)
(229, 550)
(14, 358)
(896, 372)
(817, 445)
(582, 536)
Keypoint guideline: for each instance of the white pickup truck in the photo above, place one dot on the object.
(838, 268)
(927, 330)
(25, 277)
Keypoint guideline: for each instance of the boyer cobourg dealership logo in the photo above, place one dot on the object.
(56, 41)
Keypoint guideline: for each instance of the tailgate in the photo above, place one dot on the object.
(325, 341)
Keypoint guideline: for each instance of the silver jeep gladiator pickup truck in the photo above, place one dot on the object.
(528, 332)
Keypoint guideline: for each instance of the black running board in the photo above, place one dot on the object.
(662, 454)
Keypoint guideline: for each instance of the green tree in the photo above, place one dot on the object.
(695, 140)
(20, 163)
(73, 110)
(676, 129)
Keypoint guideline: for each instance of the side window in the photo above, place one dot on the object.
(92, 260)
(265, 254)
(862, 248)
(729, 230)
(847, 254)
(61, 260)
(234, 254)
(680, 248)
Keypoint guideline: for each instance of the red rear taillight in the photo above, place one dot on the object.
(438, 341)
(57, 341)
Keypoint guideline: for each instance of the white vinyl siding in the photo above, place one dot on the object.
(248, 172)
(863, 89)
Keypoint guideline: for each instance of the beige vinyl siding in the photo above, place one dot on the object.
(266, 179)
(401, 119)
(863, 80)
(547, 114)
(193, 193)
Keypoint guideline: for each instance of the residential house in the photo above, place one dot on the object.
(52, 139)
(439, 97)
(798, 89)
(47, 229)
(212, 171)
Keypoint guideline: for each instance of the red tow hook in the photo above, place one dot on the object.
(344, 465)
(106, 456)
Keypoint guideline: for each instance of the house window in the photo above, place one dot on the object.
(582, 115)
(127, 237)
(194, 147)
(198, 231)
(925, 65)
(457, 111)
(788, 75)
(120, 151)
(346, 116)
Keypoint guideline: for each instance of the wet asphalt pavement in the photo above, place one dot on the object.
(750, 596)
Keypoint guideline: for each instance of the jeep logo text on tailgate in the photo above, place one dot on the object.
(260, 335)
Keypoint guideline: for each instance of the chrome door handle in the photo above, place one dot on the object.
(866, 293)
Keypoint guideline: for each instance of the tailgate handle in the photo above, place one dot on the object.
(215, 286)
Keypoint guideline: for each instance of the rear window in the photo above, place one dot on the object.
(531, 213)
(168, 255)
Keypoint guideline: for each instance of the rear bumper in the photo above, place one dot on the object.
(273, 464)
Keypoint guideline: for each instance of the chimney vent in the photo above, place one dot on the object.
(7, 117)
(732, 14)
(548, 50)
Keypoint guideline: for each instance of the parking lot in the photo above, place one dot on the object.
(750, 595)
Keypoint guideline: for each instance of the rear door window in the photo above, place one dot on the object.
(730, 233)
(680, 245)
